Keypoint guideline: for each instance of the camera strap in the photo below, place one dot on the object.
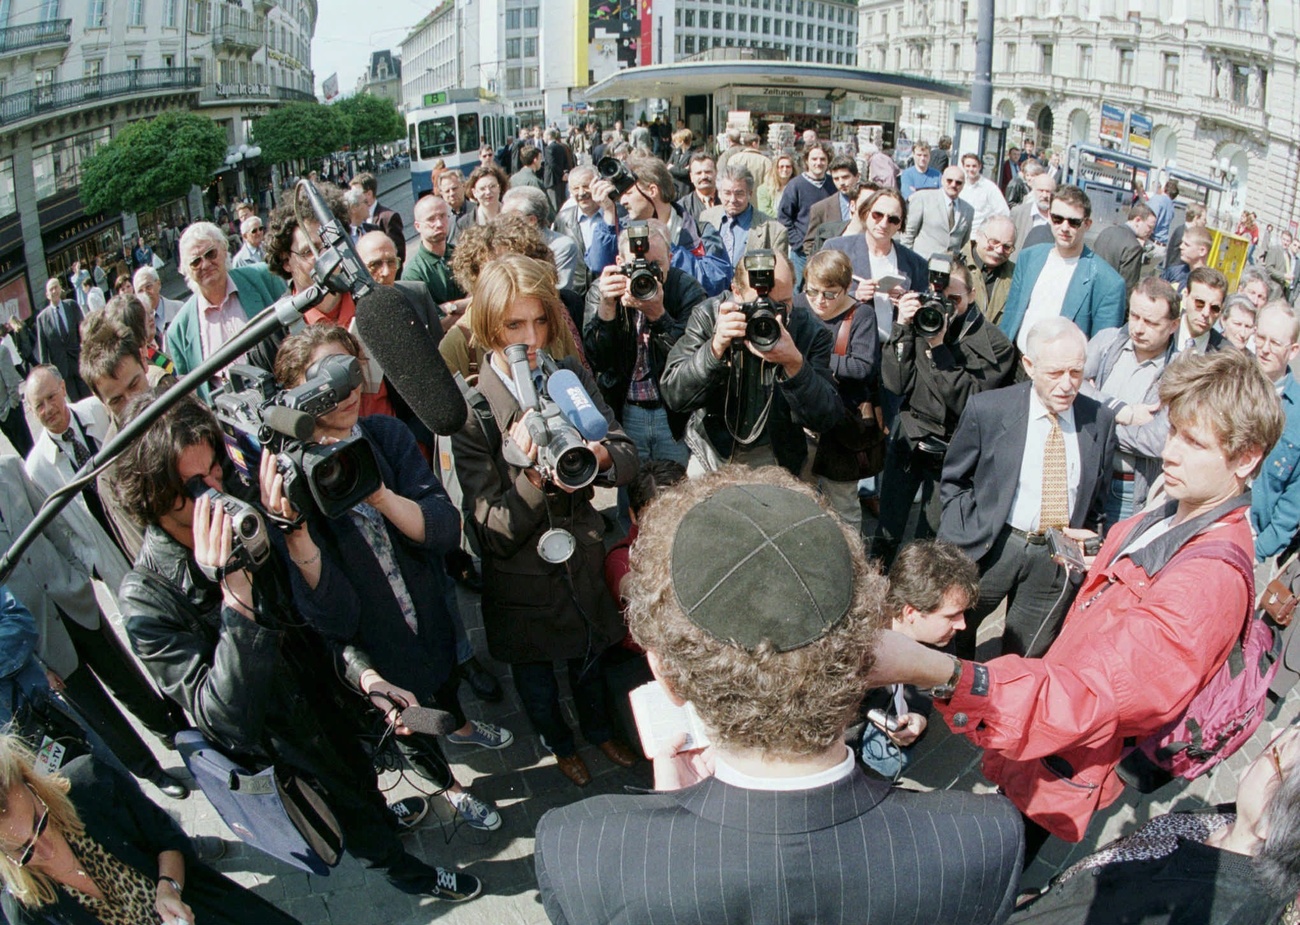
(842, 334)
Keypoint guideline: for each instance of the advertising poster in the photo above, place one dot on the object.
(1112, 122)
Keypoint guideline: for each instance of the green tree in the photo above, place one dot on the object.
(151, 162)
(370, 120)
(299, 130)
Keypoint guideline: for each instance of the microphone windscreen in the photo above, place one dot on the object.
(429, 721)
(566, 390)
(291, 423)
(408, 352)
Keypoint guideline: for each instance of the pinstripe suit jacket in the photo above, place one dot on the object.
(852, 851)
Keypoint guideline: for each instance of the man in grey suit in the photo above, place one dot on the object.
(1024, 459)
(739, 223)
(938, 220)
(759, 608)
(58, 338)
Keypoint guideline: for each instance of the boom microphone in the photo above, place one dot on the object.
(566, 390)
(408, 352)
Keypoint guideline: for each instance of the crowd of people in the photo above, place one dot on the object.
(850, 409)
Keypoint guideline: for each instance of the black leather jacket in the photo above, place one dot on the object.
(262, 689)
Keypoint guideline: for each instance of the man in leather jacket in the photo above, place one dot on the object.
(255, 681)
(628, 339)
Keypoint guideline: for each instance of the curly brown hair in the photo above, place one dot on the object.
(505, 234)
(786, 704)
(145, 478)
(482, 171)
(293, 358)
(284, 219)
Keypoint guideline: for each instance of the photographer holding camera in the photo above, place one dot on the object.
(940, 352)
(754, 371)
(540, 604)
(635, 313)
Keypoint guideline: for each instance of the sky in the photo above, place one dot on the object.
(347, 32)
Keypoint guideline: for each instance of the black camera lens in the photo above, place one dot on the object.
(929, 319)
(576, 467)
(336, 477)
(643, 284)
(763, 330)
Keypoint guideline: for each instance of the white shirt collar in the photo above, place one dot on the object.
(736, 778)
(1038, 410)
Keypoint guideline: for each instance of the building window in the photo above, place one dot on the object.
(1046, 53)
(788, 28)
(677, 16)
(954, 58)
(1172, 64)
(56, 166)
(744, 22)
(136, 17)
(731, 21)
(1126, 56)
(133, 63)
(1010, 49)
(93, 67)
(200, 17)
(690, 45)
(1085, 62)
(50, 10)
(512, 19)
(169, 14)
(798, 30)
(690, 19)
(767, 25)
(514, 78)
(8, 202)
(530, 18)
(95, 17)
(169, 62)
(530, 47)
(512, 48)
(530, 77)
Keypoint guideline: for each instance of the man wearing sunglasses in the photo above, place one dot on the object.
(1202, 305)
(222, 302)
(1064, 279)
(938, 221)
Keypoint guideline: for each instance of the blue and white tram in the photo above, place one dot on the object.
(452, 129)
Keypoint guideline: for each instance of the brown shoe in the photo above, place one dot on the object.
(618, 753)
(574, 768)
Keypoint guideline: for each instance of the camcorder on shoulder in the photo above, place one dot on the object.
(643, 276)
(257, 416)
(763, 316)
(617, 173)
(936, 308)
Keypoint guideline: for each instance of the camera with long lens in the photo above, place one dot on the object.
(250, 546)
(617, 173)
(563, 456)
(936, 307)
(643, 276)
(256, 416)
(763, 316)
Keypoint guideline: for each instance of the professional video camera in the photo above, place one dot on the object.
(936, 308)
(617, 173)
(643, 276)
(763, 316)
(565, 419)
(256, 415)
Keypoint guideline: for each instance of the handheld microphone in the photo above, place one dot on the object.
(337, 266)
(566, 390)
(408, 352)
(429, 721)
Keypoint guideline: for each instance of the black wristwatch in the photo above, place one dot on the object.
(945, 691)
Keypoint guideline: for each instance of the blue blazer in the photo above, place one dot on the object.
(1094, 301)
(1275, 494)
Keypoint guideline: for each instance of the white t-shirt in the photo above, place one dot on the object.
(1048, 296)
(885, 266)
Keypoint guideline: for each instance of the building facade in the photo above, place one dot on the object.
(813, 31)
(1211, 85)
(383, 77)
(75, 72)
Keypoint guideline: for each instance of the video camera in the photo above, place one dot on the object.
(936, 308)
(565, 419)
(763, 316)
(643, 276)
(256, 415)
(617, 173)
(250, 547)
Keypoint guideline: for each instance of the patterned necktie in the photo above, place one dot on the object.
(80, 454)
(1055, 511)
(952, 213)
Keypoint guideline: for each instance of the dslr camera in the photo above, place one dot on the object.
(617, 173)
(643, 276)
(763, 316)
(935, 308)
(256, 416)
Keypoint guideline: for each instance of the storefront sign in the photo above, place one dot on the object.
(226, 90)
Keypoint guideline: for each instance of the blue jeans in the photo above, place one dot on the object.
(539, 692)
(1119, 501)
(798, 259)
(648, 428)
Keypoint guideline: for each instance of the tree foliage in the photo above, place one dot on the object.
(370, 120)
(151, 162)
(299, 130)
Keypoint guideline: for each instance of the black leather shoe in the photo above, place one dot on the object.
(485, 686)
(169, 785)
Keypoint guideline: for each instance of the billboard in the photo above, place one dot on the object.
(1139, 134)
(1112, 122)
(619, 35)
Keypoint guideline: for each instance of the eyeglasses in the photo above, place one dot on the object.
(208, 256)
(42, 822)
(994, 245)
(390, 263)
(303, 255)
(1271, 343)
(1200, 304)
(895, 220)
(1276, 755)
(957, 182)
(1058, 218)
(828, 295)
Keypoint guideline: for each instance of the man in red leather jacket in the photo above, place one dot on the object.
(1140, 640)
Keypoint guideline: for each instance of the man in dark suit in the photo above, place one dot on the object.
(1025, 459)
(1123, 246)
(58, 338)
(381, 216)
(557, 161)
(753, 828)
(837, 209)
(1202, 305)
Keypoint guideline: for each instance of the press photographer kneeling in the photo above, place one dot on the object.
(753, 371)
(940, 352)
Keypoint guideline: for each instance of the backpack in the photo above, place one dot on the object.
(1225, 712)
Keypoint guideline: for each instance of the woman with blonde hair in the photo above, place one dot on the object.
(84, 845)
(770, 190)
(544, 597)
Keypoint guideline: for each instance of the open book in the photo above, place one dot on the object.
(660, 721)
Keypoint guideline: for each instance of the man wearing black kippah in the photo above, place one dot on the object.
(759, 608)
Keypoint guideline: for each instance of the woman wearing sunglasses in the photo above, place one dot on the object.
(877, 259)
(86, 846)
(1238, 865)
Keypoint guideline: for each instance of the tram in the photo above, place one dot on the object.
(451, 127)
